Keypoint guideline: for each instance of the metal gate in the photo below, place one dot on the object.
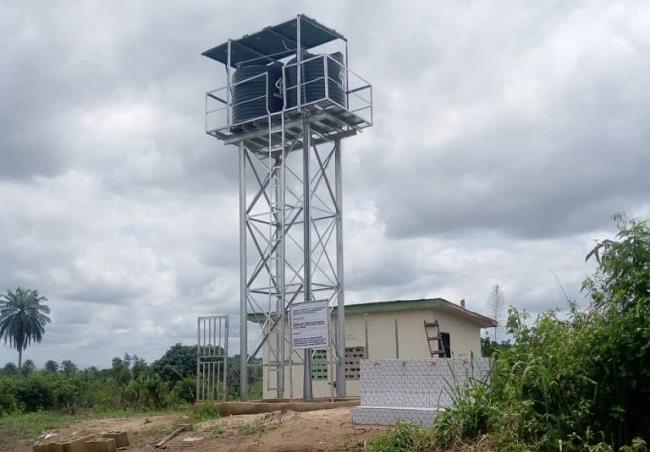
(212, 358)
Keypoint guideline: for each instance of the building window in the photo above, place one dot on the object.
(446, 341)
(319, 365)
(353, 357)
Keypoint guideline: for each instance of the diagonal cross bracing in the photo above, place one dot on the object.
(275, 204)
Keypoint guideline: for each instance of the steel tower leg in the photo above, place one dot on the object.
(243, 289)
(306, 144)
(279, 269)
(340, 311)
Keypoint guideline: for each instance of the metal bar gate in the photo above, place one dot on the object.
(212, 358)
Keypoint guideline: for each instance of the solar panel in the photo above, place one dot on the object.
(273, 43)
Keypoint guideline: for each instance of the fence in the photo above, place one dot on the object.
(413, 390)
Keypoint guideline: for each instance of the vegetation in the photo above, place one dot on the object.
(205, 412)
(129, 384)
(489, 348)
(30, 425)
(405, 437)
(51, 366)
(252, 428)
(578, 382)
(22, 319)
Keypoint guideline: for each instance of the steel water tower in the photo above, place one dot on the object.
(288, 101)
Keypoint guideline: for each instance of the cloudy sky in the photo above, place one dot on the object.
(505, 136)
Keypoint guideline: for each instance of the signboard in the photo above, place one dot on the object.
(309, 325)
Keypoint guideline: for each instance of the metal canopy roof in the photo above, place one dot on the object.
(274, 43)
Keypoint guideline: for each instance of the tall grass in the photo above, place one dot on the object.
(405, 437)
(577, 383)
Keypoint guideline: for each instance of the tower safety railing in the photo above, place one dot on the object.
(357, 114)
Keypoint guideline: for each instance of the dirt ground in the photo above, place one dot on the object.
(322, 430)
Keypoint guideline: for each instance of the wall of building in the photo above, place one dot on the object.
(381, 344)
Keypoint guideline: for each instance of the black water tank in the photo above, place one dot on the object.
(249, 97)
(312, 71)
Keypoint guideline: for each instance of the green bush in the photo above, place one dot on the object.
(470, 416)
(405, 437)
(205, 411)
(66, 395)
(582, 382)
(73, 391)
(34, 393)
(155, 392)
(128, 384)
(8, 397)
(184, 390)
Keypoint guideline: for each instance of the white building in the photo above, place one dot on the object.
(381, 330)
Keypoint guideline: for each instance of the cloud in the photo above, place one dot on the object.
(505, 136)
(546, 139)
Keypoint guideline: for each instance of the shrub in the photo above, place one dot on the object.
(184, 390)
(154, 393)
(404, 437)
(8, 399)
(205, 411)
(70, 394)
(34, 393)
(584, 381)
(470, 416)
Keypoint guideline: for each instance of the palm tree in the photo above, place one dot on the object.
(22, 319)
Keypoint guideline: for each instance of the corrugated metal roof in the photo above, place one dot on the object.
(273, 43)
(422, 303)
(408, 305)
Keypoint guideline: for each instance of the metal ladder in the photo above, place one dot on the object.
(428, 326)
(276, 222)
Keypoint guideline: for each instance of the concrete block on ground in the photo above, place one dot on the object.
(74, 444)
(100, 445)
(48, 447)
(121, 438)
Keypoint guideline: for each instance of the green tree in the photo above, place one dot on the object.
(177, 363)
(139, 367)
(22, 319)
(120, 371)
(91, 371)
(28, 367)
(10, 369)
(490, 347)
(68, 367)
(51, 366)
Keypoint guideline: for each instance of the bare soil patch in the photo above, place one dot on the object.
(321, 430)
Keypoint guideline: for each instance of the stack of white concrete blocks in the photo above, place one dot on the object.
(412, 390)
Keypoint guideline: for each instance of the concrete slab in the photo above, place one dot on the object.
(266, 406)
(383, 415)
